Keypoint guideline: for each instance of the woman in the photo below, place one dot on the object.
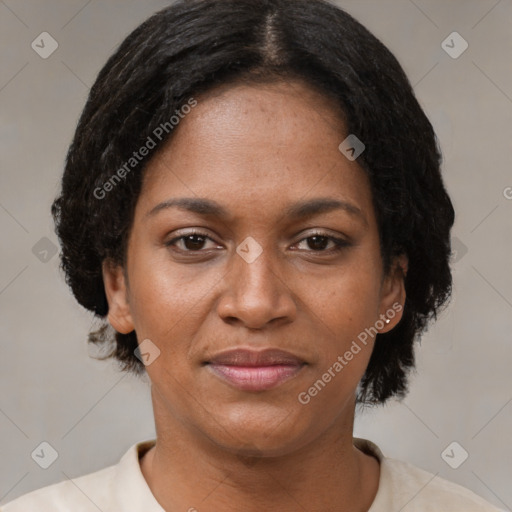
(253, 200)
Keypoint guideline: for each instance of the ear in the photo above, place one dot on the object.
(392, 298)
(116, 290)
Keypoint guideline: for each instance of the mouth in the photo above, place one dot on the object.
(250, 370)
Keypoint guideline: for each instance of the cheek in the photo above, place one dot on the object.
(166, 298)
(349, 301)
(345, 309)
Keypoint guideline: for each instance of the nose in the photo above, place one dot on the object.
(255, 294)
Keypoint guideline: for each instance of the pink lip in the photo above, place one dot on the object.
(255, 378)
(251, 370)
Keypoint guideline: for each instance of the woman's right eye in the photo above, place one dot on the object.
(191, 242)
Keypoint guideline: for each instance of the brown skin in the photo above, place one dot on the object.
(255, 150)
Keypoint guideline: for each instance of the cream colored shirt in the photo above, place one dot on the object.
(122, 488)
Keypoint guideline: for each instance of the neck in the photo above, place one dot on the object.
(185, 470)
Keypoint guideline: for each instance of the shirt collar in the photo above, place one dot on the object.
(132, 492)
(383, 499)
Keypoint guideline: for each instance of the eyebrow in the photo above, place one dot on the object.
(299, 210)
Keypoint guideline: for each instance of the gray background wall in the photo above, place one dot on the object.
(51, 390)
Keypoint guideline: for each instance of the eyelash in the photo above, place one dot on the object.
(339, 243)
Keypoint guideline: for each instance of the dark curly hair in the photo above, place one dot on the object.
(193, 46)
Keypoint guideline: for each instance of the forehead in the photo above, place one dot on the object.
(257, 145)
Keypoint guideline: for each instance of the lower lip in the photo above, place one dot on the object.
(255, 378)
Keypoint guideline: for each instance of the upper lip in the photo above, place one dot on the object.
(248, 357)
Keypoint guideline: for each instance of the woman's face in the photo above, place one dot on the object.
(285, 256)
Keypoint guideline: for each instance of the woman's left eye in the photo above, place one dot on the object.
(319, 242)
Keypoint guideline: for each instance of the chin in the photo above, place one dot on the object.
(260, 432)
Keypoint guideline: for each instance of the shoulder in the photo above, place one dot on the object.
(403, 486)
(418, 490)
(117, 487)
(83, 494)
